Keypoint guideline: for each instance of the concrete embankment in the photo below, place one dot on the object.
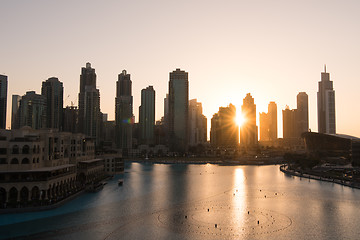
(212, 160)
(41, 208)
(285, 169)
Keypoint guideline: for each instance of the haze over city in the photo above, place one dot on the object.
(179, 120)
(271, 49)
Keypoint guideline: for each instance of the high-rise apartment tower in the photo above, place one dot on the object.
(178, 110)
(248, 131)
(89, 103)
(52, 89)
(3, 100)
(326, 105)
(147, 115)
(123, 113)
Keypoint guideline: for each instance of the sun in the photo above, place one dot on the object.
(240, 120)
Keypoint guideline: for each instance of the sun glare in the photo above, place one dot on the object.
(239, 119)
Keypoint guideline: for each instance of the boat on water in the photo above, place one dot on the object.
(95, 187)
(120, 182)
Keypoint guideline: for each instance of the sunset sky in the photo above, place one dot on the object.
(272, 49)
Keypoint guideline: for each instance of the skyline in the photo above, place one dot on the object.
(239, 119)
(234, 44)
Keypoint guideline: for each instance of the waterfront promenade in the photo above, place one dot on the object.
(320, 177)
(248, 160)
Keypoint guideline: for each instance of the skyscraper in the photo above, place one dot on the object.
(52, 89)
(89, 103)
(123, 112)
(15, 114)
(70, 122)
(165, 125)
(224, 131)
(248, 131)
(272, 114)
(326, 105)
(147, 115)
(264, 127)
(197, 124)
(290, 130)
(32, 110)
(178, 110)
(302, 113)
(268, 123)
(3, 100)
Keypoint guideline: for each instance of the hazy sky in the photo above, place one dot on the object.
(272, 49)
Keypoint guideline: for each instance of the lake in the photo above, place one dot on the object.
(189, 201)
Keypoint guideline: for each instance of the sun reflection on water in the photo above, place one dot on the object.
(238, 196)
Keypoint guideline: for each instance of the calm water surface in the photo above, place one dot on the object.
(160, 201)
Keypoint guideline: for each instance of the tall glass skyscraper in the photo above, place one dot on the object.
(224, 131)
(52, 89)
(3, 100)
(268, 123)
(197, 124)
(123, 113)
(248, 131)
(302, 113)
(178, 110)
(32, 110)
(89, 103)
(326, 105)
(15, 113)
(147, 115)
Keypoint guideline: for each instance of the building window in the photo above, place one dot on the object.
(25, 161)
(26, 149)
(15, 149)
(3, 151)
(14, 161)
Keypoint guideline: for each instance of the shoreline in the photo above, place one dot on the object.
(41, 208)
(285, 170)
(46, 207)
(205, 160)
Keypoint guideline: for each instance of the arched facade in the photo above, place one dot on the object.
(29, 195)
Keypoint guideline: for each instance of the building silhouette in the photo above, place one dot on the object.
(296, 121)
(264, 127)
(302, 113)
(147, 115)
(268, 123)
(15, 114)
(178, 110)
(224, 132)
(290, 123)
(164, 126)
(272, 112)
(70, 122)
(249, 130)
(123, 113)
(326, 105)
(32, 110)
(197, 124)
(52, 89)
(3, 100)
(89, 103)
